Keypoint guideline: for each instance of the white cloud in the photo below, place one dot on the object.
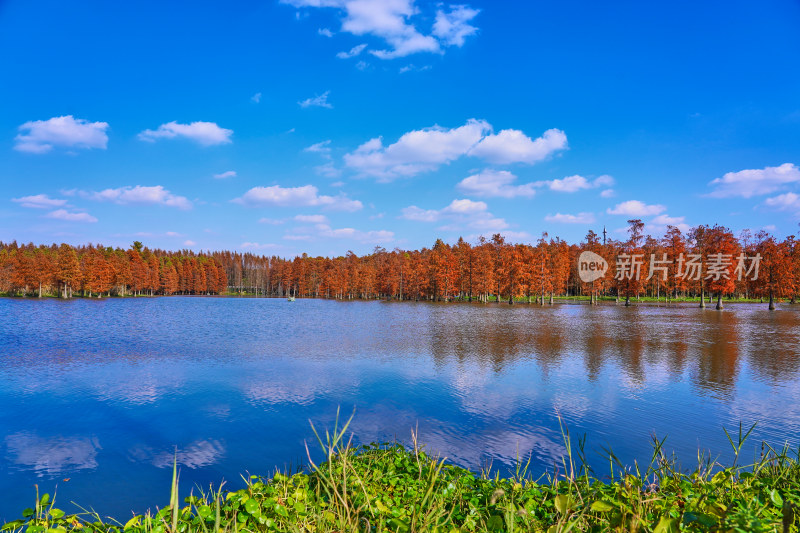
(225, 175)
(312, 219)
(658, 225)
(636, 208)
(465, 207)
(453, 27)
(495, 183)
(71, 216)
(377, 237)
(317, 101)
(323, 148)
(755, 182)
(272, 221)
(416, 151)
(325, 32)
(256, 98)
(420, 215)
(459, 214)
(426, 149)
(394, 21)
(580, 218)
(258, 246)
(608, 193)
(784, 202)
(362, 65)
(305, 196)
(666, 220)
(578, 183)
(155, 195)
(40, 136)
(39, 201)
(203, 133)
(513, 146)
(356, 50)
(189, 243)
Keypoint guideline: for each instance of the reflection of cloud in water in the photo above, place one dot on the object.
(52, 456)
(503, 441)
(198, 454)
(272, 392)
(135, 385)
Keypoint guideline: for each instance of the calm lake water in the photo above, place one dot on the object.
(97, 394)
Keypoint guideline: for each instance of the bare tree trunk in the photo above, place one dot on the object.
(771, 301)
(702, 298)
(719, 300)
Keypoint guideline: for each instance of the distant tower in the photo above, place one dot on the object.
(604, 235)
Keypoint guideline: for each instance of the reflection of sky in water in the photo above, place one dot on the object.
(228, 386)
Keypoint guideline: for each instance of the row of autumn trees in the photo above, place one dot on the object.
(96, 270)
(486, 270)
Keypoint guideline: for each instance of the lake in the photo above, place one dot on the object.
(98, 394)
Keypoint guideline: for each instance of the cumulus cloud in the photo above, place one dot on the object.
(580, 218)
(755, 182)
(426, 149)
(495, 183)
(203, 133)
(784, 202)
(658, 225)
(317, 101)
(453, 27)
(458, 214)
(40, 136)
(304, 196)
(513, 146)
(395, 23)
(579, 183)
(71, 216)
(155, 195)
(356, 50)
(635, 208)
(225, 175)
(608, 193)
(39, 201)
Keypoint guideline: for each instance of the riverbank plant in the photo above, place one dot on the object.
(390, 487)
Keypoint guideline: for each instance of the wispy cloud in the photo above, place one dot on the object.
(142, 195)
(39, 201)
(71, 216)
(305, 196)
(317, 101)
(395, 23)
(755, 182)
(564, 218)
(356, 50)
(225, 175)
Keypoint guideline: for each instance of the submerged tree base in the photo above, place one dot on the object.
(394, 488)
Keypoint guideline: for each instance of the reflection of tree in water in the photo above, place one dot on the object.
(774, 345)
(497, 337)
(717, 352)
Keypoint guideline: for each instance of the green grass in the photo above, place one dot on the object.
(394, 488)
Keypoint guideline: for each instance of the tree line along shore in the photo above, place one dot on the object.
(487, 270)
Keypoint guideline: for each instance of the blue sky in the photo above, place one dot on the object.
(322, 126)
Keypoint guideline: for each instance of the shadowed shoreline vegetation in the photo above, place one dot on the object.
(390, 487)
(489, 270)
